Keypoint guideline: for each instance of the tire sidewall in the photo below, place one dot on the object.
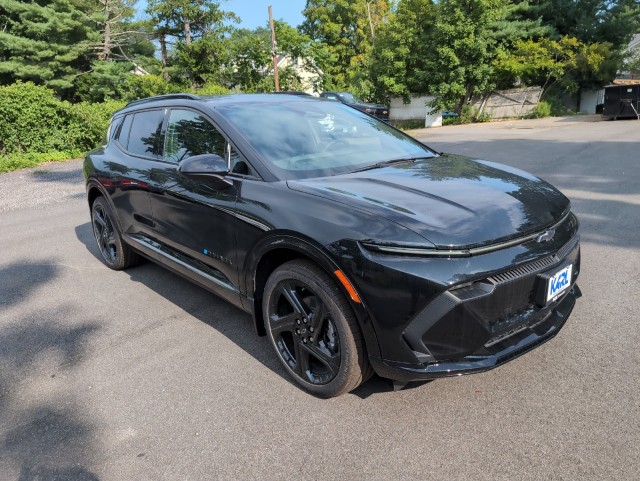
(119, 262)
(348, 349)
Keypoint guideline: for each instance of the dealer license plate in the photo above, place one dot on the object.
(559, 283)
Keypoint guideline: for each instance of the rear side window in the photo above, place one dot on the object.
(189, 134)
(145, 135)
(123, 135)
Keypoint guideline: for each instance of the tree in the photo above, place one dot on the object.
(461, 63)
(567, 63)
(348, 28)
(398, 62)
(250, 67)
(590, 21)
(48, 44)
(199, 28)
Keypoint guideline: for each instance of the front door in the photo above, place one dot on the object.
(194, 220)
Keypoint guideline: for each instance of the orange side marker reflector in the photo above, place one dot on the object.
(347, 285)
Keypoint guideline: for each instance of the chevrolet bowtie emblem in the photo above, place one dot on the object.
(547, 236)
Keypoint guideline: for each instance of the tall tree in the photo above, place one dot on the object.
(461, 63)
(590, 21)
(250, 67)
(398, 62)
(191, 22)
(348, 28)
(46, 42)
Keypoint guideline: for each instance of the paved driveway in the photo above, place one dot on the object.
(140, 375)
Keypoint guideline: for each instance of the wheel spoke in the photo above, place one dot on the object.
(318, 315)
(280, 324)
(290, 293)
(331, 361)
(111, 239)
(99, 218)
(302, 360)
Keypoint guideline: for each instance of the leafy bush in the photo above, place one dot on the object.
(558, 108)
(36, 127)
(142, 86)
(541, 110)
(211, 88)
(88, 123)
(31, 119)
(468, 115)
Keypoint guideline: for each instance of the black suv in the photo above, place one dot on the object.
(354, 247)
(377, 110)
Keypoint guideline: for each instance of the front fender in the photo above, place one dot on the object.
(279, 247)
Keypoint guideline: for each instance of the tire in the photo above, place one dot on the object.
(314, 330)
(113, 251)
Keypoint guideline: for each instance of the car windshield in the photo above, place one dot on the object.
(315, 139)
(350, 98)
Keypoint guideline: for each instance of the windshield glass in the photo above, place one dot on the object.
(315, 139)
(350, 98)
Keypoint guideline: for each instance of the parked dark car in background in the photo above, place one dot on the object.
(355, 248)
(377, 110)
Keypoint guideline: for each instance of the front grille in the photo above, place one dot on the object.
(514, 288)
(485, 312)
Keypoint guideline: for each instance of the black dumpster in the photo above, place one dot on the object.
(621, 101)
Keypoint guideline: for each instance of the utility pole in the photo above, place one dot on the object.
(273, 51)
(373, 35)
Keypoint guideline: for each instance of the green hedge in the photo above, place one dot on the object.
(87, 123)
(36, 127)
(31, 119)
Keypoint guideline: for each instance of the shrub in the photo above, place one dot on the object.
(31, 119)
(142, 86)
(88, 123)
(36, 127)
(542, 109)
(468, 115)
(211, 88)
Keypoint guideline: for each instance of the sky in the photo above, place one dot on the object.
(253, 13)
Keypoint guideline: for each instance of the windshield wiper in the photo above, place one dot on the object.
(386, 163)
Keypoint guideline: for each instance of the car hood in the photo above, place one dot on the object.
(450, 200)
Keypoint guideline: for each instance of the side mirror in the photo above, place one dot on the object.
(205, 166)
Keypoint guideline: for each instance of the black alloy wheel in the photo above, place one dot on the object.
(115, 253)
(314, 330)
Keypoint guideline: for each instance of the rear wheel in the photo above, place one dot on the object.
(115, 253)
(314, 330)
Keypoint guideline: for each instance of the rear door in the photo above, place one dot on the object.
(137, 145)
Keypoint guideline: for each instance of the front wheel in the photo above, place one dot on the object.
(314, 330)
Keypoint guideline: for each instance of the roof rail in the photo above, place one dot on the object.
(164, 97)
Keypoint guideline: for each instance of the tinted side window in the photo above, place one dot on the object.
(123, 135)
(189, 134)
(146, 133)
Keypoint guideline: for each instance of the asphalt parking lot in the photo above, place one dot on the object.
(140, 375)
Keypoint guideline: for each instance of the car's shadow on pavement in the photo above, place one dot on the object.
(230, 321)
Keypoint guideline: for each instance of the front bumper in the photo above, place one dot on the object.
(541, 327)
(451, 316)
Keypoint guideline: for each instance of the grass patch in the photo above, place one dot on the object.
(408, 124)
(13, 162)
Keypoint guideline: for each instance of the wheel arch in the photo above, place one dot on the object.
(94, 190)
(282, 248)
